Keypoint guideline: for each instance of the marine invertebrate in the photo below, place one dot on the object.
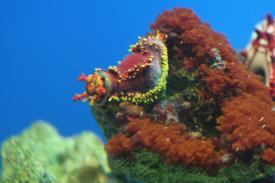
(223, 124)
(171, 140)
(40, 154)
(260, 53)
(140, 77)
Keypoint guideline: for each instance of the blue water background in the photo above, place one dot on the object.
(46, 44)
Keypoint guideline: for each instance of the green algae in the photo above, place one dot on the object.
(151, 168)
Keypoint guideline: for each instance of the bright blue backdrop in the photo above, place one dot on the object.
(45, 44)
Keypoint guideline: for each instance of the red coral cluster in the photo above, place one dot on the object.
(217, 82)
(187, 31)
(247, 120)
(193, 41)
(120, 144)
(172, 141)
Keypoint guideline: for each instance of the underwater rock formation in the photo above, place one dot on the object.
(213, 121)
(41, 155)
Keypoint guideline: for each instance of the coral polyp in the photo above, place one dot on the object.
(139, 78)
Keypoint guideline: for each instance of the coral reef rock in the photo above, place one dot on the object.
(41, 155)
(203, 119)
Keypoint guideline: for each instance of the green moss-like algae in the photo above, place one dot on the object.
(41, 155)
(150, 167)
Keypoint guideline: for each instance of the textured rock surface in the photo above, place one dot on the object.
(41, 155)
